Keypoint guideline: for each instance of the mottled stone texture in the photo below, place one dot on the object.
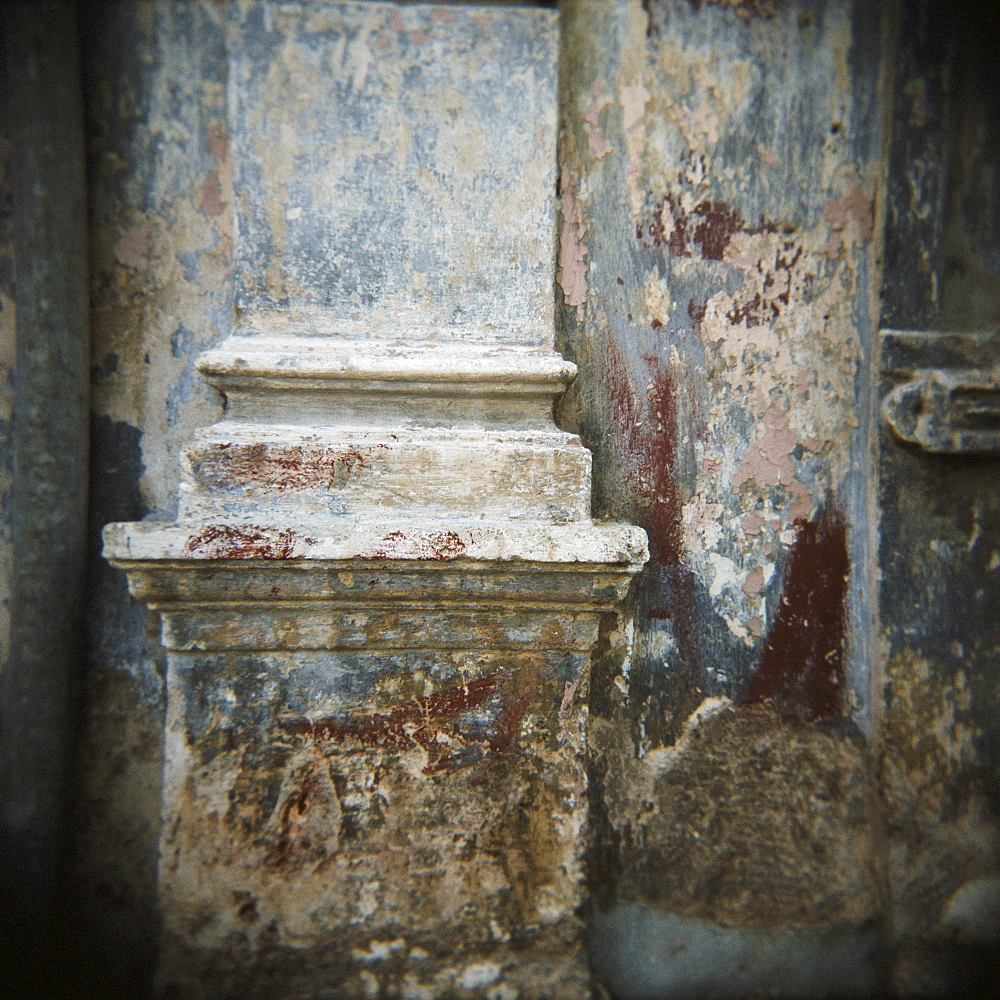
(394, 168)
(385, 820)
(383, 583)
(43, 448)
(720, 172)
(729, 170)
(940, 517)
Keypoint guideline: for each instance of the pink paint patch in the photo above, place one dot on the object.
(754, 583)
(211, 202)
(598, 144)
(767, 460)
(133, 246)
(799, 510)
(599, 102)
(572, 274)
(855, 207)
(218, 144)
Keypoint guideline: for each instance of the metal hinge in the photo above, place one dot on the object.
(946, 396)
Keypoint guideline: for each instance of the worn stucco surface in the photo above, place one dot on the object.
(374, 821)
(720, 168)
(394, 167)
(782, 792)
(940, 519)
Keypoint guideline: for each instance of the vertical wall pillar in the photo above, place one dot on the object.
(720, 171)
(939, 492)
(383, 585)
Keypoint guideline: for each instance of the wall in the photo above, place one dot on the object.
(794, 737)
(43, 441)
(719, 278)
(939, 529)
(161, 291)
(794, 747)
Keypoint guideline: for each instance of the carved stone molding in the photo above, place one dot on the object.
(945, 394)
(382, 479)
(379, 600)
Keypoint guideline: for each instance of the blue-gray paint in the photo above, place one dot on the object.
(376, 149)
(643, 953)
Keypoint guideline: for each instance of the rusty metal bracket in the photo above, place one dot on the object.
(943, 390)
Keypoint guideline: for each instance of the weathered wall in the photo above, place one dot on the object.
(394, 170)
(720, 170)
(43, 441)
(940, 518)
(172, 271)
(726, 176)
(161, 291)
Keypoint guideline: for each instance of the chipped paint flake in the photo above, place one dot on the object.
(572, 273)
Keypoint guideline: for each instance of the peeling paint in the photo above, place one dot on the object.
(732, 283)
(244, 541)
(572, 273)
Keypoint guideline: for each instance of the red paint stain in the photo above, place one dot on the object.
(432, 723)
(408, 726)
(716, 227)
(697, 311)
(667, 227)
(646, 422)
(801, 670)
(437, 545)
(709, 226)
(295, 467)
(509, 724)
(243, 541)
